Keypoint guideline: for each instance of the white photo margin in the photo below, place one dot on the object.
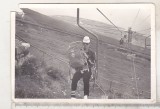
(89, 101)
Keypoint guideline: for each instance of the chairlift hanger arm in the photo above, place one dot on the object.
(146, 40)
(83, 27)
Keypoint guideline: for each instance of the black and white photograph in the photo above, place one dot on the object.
(84, 53)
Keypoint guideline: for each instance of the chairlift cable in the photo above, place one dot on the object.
(144, 30)
(135, 18)
(145, 33)
(142, 34)
(144, 20)
(51, 55)
(109, 20)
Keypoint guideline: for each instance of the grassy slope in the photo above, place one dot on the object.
(113, 65)
(103, 29)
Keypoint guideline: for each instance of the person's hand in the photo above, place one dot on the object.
(92, 77)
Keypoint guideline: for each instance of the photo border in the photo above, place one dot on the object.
(89, 101)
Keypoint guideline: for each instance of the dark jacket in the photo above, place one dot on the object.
(90, 59)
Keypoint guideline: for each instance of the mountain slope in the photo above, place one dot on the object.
(52, 36)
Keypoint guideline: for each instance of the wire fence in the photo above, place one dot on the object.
(113, 89)
(118, 90)
(50, 60)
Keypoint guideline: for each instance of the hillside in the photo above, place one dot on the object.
(103, 29)
(52, 36)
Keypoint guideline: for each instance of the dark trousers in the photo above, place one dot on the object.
(86, 77)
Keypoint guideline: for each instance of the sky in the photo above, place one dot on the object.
(139, 18)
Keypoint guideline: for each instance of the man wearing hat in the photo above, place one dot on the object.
(84, 73)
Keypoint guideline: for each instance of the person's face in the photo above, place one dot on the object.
(86, 46)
